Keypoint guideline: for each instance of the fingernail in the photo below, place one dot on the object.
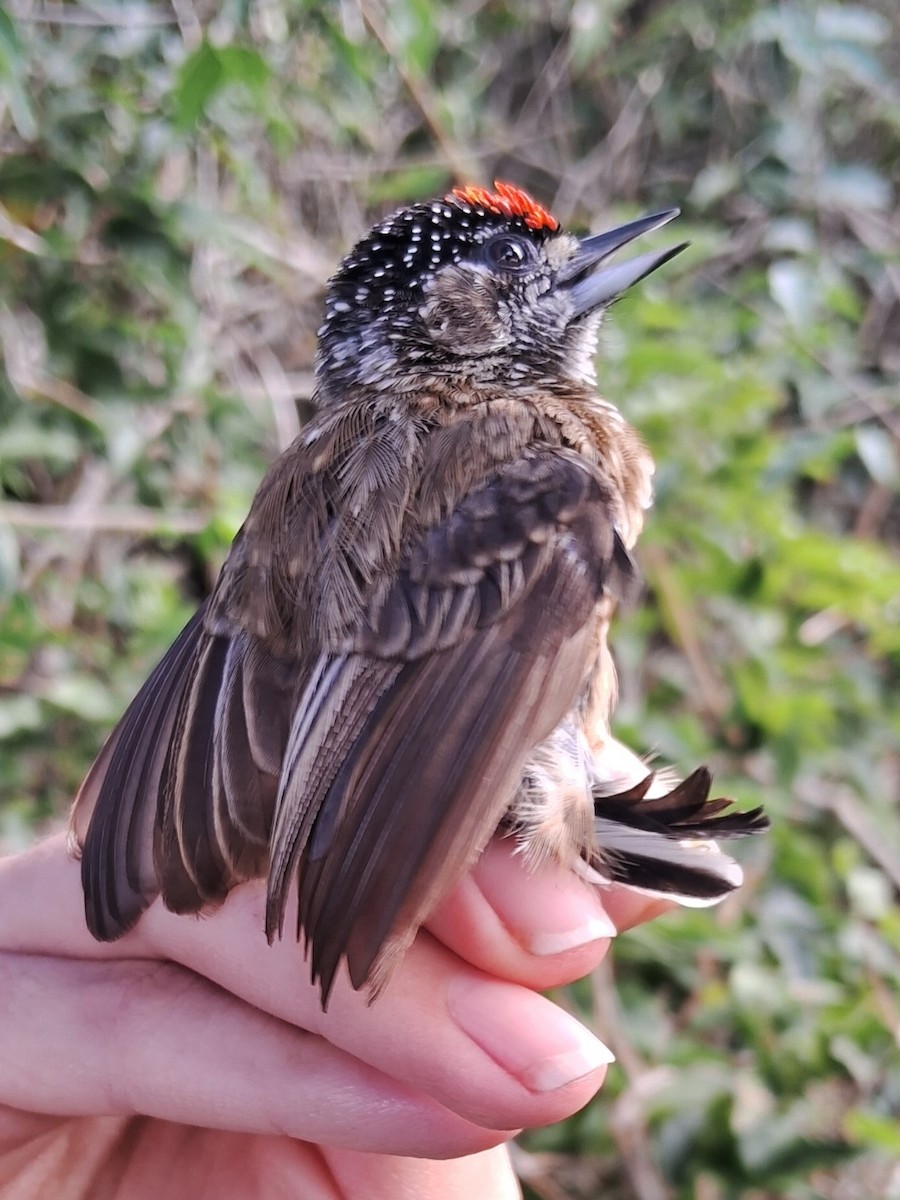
(533, 1040)
(555, 941)
(547, 911)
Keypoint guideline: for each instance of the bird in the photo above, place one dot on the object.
(406, 650)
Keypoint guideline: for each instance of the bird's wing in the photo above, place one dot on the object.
(182, 796)
(406, 749)
(114, 813)
(377, 767)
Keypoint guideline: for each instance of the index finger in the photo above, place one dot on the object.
(494, 1053)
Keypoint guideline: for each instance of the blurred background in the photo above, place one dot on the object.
(176, 183)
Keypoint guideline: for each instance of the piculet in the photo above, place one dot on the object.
(406, 649)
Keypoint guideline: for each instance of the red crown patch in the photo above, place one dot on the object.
(507, 201)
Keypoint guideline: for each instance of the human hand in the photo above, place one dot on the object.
(192, 1059)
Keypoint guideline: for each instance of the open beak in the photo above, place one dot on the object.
(591, 288)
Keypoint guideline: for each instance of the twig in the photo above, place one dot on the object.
(190, 27)
(534, 1169)
(458, 159)
(94, 488)
(860, 826)
(627, 1120)
(20, 236)
(280, 394)
(92, 16)
(868, 400)
(867, 408)
(299, 385)
(303, 257)
(63, 393)
(875, 507)
(124, 518)
(713, 695)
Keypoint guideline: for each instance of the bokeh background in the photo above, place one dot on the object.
(177, 181)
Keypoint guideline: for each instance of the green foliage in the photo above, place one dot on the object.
(172, 197)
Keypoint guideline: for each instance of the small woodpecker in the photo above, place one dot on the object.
(406, 649)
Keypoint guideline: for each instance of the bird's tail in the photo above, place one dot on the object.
(664, 842)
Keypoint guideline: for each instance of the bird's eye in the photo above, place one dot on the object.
(508, 253)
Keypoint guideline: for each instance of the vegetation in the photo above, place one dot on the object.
(176, 183)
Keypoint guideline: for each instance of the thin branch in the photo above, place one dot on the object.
(92, 16)
(191, 29)
(305, 257)
(860, 825)
(20, 236)
(876, 505)
(457, 158)
(536, 1171)
(280, 395)
(627, 1116)
(868, 399)
(299, 385)
(120, 518)
(681, 618)
(63, 393)
(93, 491)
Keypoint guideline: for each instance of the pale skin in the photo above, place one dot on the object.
(190, 1058)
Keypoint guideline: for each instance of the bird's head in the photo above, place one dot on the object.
(471, 290)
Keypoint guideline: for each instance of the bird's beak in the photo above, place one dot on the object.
(590, 288)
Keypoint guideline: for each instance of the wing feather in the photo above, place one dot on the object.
(370, 744)
(243, 795)
(269, 688)
(189, 860)
(422, 795)
(477, 645)
(331, 714)
(115, 809)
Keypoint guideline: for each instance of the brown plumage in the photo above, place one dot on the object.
(406, 647)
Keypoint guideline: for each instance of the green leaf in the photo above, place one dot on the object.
(82, 695)
(200, 78)
(874, 1129)
(399, 186)
(12, 63)
(18, 713)
(239, 64)
(24, 440)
